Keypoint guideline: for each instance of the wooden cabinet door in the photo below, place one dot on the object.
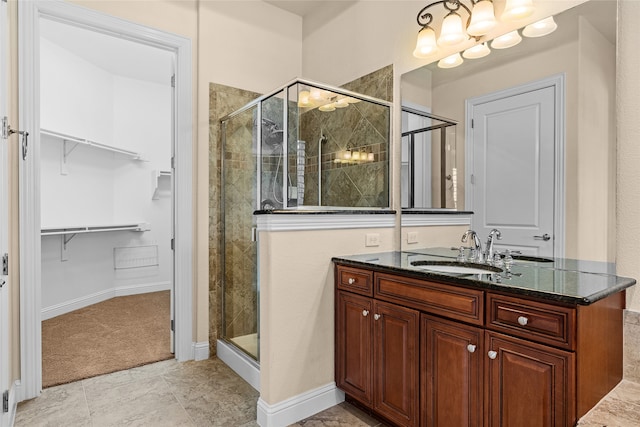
(354, 352)
(396, 363)
(528, 384)
(451, 373)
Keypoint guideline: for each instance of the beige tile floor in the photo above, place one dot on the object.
(208, 393)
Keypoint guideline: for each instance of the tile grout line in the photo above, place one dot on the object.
(178, 400)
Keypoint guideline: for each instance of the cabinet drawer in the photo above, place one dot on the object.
(354, 280)
(545, 323)
(454, 302)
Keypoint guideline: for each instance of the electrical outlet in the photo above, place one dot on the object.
(412, 237)
(372, 239)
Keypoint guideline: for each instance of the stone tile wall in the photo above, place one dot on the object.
(632, 345)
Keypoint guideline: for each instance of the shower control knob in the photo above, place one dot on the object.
(351, 280)
(365, 313)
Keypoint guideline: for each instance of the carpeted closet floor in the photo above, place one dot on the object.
(110, 336)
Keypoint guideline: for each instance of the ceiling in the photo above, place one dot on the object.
(300, 7)
(111, 53)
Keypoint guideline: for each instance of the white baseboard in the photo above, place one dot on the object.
(241, 364)
(13, 402)
(201, 350)
(85, 301)
(299, 407)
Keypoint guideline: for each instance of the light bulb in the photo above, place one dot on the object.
(507, 40)
(370, 157)
(451, 61)
(355, 155)
(426, 45)
(517, 9)
(451, 33)
(478, 51)
(540, 28)
(483, 19)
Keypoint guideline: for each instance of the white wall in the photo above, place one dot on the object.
(99, 187)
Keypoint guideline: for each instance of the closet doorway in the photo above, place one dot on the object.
(107, 187)
(105, 202)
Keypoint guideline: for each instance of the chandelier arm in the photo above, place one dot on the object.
(424, 18)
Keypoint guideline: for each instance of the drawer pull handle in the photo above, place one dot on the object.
(492, 354)
(376, 316)
(351, 280)
(523, 320)
(365, 313)
(471, 348)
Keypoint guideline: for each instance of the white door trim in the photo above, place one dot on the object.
(556, 81)
(30, 276)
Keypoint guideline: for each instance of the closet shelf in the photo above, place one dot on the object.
(56, 231)
(156, 178)
(78, 140)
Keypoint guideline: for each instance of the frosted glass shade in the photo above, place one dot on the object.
(451, 61)
(540, 28)
(304, 99)
(327, 107)
(478, 51)
(517, 9)
(507, 40)
(452, 32)
(483, 19)
(426, 45)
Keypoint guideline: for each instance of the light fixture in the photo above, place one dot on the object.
(341, 103)
(426, 45)
(506, 40)
(478, 51)
(483, 18)
(327, 107)
(480, 20)
(451, 32)
(451, 61)
(540, 28)
(517, 9)
(304, 100)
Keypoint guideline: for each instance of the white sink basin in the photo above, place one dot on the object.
(456, 268)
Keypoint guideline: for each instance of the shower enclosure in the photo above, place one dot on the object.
(305, 146)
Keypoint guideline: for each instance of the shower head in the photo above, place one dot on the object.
(271, 135)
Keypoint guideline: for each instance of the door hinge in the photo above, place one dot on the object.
(4, 132)
(173, 162)
(473, 179)
(173, 80)
(5, 401)
(5, 264)
(472, 124)
(172, 326)
(173, 243)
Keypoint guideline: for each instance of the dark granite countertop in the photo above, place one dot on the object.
(562, 280)
(320, 211)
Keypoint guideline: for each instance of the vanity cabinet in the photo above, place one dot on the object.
(484, 357)
(377, 356)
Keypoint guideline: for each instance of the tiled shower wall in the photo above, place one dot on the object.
(224, 100)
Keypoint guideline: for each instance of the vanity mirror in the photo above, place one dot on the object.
(580, 54)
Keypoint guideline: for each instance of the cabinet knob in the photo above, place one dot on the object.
(365, 313)
(471, 348)
(351, 280)
(377, 316)
(492, 354)
(523, 320)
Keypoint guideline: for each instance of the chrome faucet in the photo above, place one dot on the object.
(489, 246)
(477, 244)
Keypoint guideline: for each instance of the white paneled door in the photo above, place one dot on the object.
(4, 213)
(513, 169)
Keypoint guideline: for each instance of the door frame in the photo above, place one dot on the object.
(557, 82)
(29, 95)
